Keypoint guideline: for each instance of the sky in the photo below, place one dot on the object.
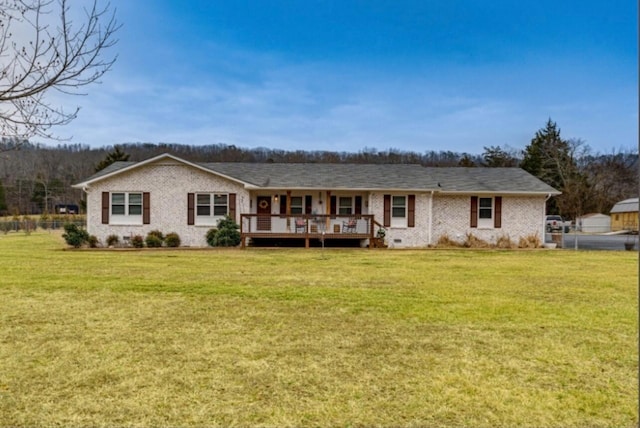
(347, 75)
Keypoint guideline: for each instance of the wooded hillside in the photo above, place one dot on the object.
(34, 178)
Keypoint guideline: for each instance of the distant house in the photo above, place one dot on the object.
(414, 205)
(67, 209)
(624, 215)
(594, 223)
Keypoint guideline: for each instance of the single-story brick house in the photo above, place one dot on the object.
(415, 205)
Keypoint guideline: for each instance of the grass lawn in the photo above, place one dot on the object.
(316, 338)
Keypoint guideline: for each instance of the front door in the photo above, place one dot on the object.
(264, 212)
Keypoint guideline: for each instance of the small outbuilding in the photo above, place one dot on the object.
(594, 223)
(624, 215)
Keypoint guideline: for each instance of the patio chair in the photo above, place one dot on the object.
(300, 224)
(349, 226)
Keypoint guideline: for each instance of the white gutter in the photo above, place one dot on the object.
(430, 231)
(544, 216)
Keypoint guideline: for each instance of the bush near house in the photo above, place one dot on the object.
(172, 240)
(211, 237)
(75, 236)
(227, 234)
(137, 241)
(153, 240)
(112, 240)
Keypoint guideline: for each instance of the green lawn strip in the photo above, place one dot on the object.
(334, 338)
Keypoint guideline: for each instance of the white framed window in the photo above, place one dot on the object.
(211, 207)
(345, 205)
(398, 211)
(126, 208)
(485, 213)
(297, 206)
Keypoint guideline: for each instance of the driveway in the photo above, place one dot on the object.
(597, 242)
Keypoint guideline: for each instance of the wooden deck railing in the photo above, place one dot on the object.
(307, 226)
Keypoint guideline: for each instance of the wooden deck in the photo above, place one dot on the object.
(322, 228)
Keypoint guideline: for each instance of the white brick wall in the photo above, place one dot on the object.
(168, 183)
(521, 216)
(401, 237)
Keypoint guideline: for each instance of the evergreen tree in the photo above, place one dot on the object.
(495, 157)
(115, 156)
(550, 158)
(466, 161)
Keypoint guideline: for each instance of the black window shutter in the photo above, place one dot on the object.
(474, 211)
(308, 204)
(146, 208)
(283, 204)
(232, 206)
(190, 208)
(497, 215)
(411, 214)
(387, 211)
(105, 207)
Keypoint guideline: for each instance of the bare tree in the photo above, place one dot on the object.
(42, 49)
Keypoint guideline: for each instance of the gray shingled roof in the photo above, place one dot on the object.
(111, 168)
(382, 176)
(626, 206)
(324, 176)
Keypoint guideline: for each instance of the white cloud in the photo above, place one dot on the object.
(259, 100)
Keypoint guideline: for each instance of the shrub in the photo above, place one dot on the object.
(172, 239)
(530, 241)
(153, 240)
(137, 241)
(228, 234)
(474, 242)
(156, 233)
(75, 236)
(504, 241)
(112, 240)
(93, 241)
(446, 242)
(5, 227)
(211, 237)
(28, 224)
(44, 221)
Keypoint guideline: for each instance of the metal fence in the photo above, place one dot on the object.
(27, 225)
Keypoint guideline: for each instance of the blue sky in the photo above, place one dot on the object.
(348, 75)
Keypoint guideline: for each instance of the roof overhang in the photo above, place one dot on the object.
(85, 184)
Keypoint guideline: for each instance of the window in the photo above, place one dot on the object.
(296, 205)
(129, 204)
(203, 205)
(211, 207)
(126, 208)
(398, 206)
(220, 206)
(398, 211)
(345, 205)
(486, 213)
(486, 208)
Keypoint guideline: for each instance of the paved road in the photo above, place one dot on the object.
(597, 242)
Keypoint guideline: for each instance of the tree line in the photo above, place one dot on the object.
(35, 178)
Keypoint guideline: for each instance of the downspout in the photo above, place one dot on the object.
(86, 206)
(544, 214)
(430, 232)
